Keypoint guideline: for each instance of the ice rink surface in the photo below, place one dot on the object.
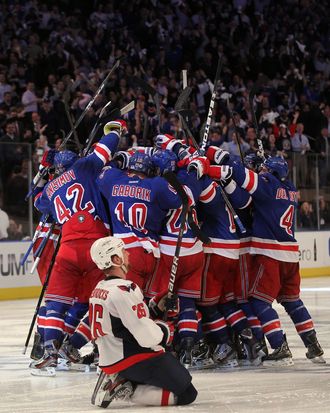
(305, 387)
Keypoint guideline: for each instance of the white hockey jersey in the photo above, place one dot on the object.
(121, 326)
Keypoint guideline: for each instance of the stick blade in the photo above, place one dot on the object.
(174, 182)
(182, 99)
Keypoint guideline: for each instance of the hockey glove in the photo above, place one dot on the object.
(221, 173)
(217, 155)
(168, 331)
(161, 302)
(48, 158)
(118, 126)
(167, 142)
(200, 164)
(122, 158)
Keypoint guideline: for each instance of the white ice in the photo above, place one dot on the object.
(305, 387)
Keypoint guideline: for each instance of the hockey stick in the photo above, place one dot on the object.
(196, 229)
(41, 248)
(173, 181)
(66, 98)
(35, 237)
(237, 131)
(142, 84)
(255, 122)
(211, 107)
(81, 117)
(41, 296)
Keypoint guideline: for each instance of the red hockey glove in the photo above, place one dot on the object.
(166, 142)
(168, 331)
(200, 164)
(118, 126)
(217, 155)
(221, 173)
(48, 158)
(161, 302)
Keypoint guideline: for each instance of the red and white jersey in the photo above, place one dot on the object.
(121, 326)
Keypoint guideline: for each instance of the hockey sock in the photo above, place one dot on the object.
(152, 396)
(82, 335)
(214, 325)
(270, 323)
(54, 322)
(155, 396)
(253, 320)
(73, 316)
(41, 322)
(300, 317)
(235, 316)
(187, 322)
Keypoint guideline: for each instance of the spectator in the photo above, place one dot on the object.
(306, 217)
(232, 146)
(15, 231)
(30, 100)
(4, 224)
(324, 213)
(323, 144)
(300, 145)
(4, 86)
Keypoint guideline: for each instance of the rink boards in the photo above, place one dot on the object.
(17, 282)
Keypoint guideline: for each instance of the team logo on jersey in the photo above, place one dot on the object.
(81, 218)
(127, 288)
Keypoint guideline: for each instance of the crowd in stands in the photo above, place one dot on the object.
(57, 51)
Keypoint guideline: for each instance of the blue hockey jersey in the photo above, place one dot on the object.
(75, 190)
(138, 206)
(274, 208)
(195, 188)
(218, 223)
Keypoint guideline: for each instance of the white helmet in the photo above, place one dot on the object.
(104, 249)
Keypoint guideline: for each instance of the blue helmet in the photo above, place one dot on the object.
(277, 166)
(253, 161)
(63, 161)
(164, 161)
(141, 162)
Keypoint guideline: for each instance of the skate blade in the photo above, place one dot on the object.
(205, 364)
(44, 372)
(85, 368)
(63, 365)
(278, 363)
(230, 364)
(318, 360)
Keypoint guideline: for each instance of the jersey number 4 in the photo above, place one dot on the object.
(75, 192)
(286, 220)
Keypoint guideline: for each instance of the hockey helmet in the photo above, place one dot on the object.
(64, 160)
(141, 162)
(278, 166)
(253, 161)
(164, 161)
(103, 249)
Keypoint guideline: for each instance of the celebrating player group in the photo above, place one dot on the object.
(168, 259)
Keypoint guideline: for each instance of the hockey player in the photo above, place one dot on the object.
(138, 203)
(73, 201)
(132, 358)
(276, 262)
(190, 264)
(217, 302)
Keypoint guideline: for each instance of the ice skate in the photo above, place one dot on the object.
(225, 356)
(37, 348)
(201, 356)
(109, 388)
(281, 356)
(68, 352)
(185, 353)
(252, 348)
(314, 350)
(45, 366)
